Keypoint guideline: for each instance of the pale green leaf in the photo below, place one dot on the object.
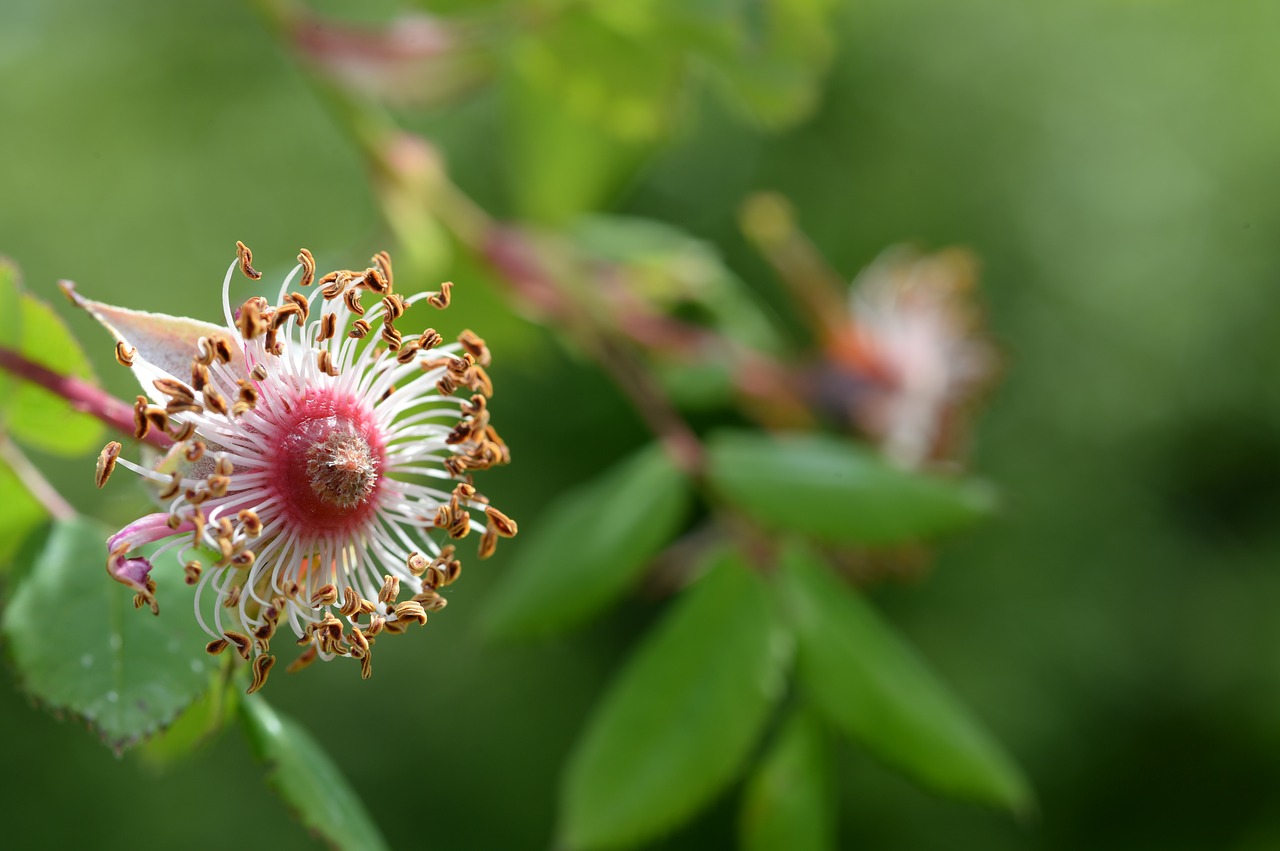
(682, 717)
(875, 688)
(590, 547)
(837, 491)
(21, 515)
(304, 775)
(78, 644)
(789, 802)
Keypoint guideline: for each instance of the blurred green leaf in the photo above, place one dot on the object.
(682, 716)
(874, 687)
(307, 779)
(79, 645)
(197, 724)
(22, 514)
(584, 105)
(837, 491)
(590, 547)
(30, 413)
(789, 803)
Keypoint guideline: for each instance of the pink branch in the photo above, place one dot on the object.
(82, 395)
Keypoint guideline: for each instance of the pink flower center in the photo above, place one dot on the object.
(326, 470)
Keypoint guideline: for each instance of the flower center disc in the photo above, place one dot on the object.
(327, 473)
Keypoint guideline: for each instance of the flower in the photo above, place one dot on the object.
(913, 354)
(312, 449)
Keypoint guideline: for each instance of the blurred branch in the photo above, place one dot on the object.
(36, 484)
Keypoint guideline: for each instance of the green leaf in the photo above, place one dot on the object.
(585, 104)
(873, 686)
(304, 775)
(22, 514)
(836, 491)
(29, 412)
(79, 645)
(197, 724)
(590, 547)
(682, 716)
(789, 803)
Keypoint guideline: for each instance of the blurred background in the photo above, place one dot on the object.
(1113, 164)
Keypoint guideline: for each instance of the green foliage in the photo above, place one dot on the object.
(22, 514)
(789, 802)
(836, 491)
(682, 716)
(302, 773)
(79, 645)
(28, 412)
(590, 547)
(198, 723)
(875, 688)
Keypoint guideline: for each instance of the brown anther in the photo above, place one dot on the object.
(417, 563)
(224, 466)
(411, 610)
(222, 349)
(308, 267)
(106, 463)
(233, 598)
(328, 327)
(408, 351)
(505, 526)
(458, 366)
(326, 596)
(215, 647)
(394, 307)
(391, 336)
(452, 571)
(242, 643)
(478, 380)
(124, 354)
(333, 284)
(352, 300)
(171, 490)
(383, 261)
(395, 627)
(244, 558)
(225, 527)
(173, 387)
(248, 394)
(246, 261)
(446, 385)
(140, 424)
(350, 603)
(474, 345)
(304, 306)
(443, 518)
(477, 404)
(304, 659)
(376, 624)
(182, 431)
(250, 523)
(199, 376)
(213, 401)
(271, 342)
(264, 633)
(430, 600)
(177, 406)
(250, 320)
(261, 668)
(259, 372)
(375, 281)
(204, 351)
(194, 451)
(440, 300)
(282, 314)
(191, 572)
(430, 338)
(460, 432)
(488, 543)
(359, 644)
(386, 394)
(359, 330)
(325, 362)
(390, 589)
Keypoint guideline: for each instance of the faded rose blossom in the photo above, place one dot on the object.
(913, 354)
(314, 450)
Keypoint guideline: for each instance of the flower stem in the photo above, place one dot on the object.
(82, 395)
(36, 484)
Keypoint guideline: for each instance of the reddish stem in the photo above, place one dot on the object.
(82, 395)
